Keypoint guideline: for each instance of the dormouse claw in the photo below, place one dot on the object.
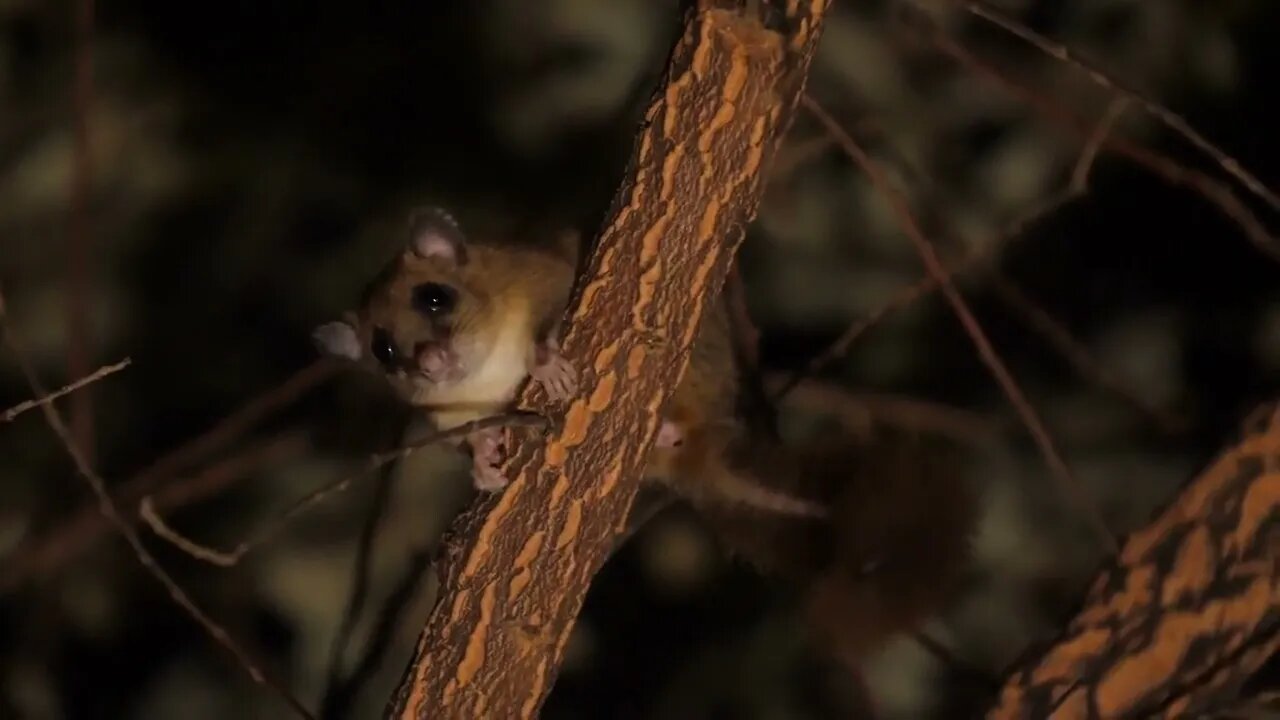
(553, 372)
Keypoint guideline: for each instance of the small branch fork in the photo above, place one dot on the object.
(901, 207)
(99, 374)
(99, 487)
(977, 258)
(1170, 119)
(1209, 188)
(55, 548)
(228, 558)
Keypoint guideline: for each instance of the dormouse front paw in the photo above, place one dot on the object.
(486, 454)
(553, 372)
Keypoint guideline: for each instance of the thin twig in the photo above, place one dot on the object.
(80, 245)
(358, 595)
(227, 430)
(986, 352)
(1262, 706)
(100, 373)
(976, 257)
(1039, 320)
(1076, 354)
(55, 548)
(1093, 145)
(754, 401)
(950, 659)
(844, 343)
(221, 476)
(792, 155)
(1171, 119)
(639, 517)
(858, 410)
(745, 335)
(1215, 192)
(147, 512)
(148, 562)
(342, 692)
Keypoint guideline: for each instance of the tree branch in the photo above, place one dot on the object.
(986, 351)
(227, 558)
(100, 373)
(49, 552)
(98, 486)
(1099, 77)
(518, 565)
(1209, 188)
(1188, 610)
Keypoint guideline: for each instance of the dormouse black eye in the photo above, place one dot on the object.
(382, 347)
(434, 298)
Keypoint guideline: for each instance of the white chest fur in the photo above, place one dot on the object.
(495, 369)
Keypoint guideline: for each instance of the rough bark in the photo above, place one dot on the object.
(1187, 611)
(517, 566)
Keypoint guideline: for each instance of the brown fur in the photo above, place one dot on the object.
(893, 551)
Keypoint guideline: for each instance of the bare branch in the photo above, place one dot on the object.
(1077, 355)
(220, 476)
(857, 410)
(51, 551)
(145, 558)
(1077, 189)
(754, 402)
(1262, 706)
(1089, 155)
(986, 352)
(386, 628)
(226, 558)
(100, 373)
(361, 577)
(949, 658)
(1215, 192)
(1172, 120)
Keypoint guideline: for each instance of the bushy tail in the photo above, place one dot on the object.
(901, 533)
(887, 541)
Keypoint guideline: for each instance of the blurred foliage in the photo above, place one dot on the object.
(254, 160)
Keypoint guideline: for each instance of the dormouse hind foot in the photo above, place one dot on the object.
(486, 454)
(553, 372)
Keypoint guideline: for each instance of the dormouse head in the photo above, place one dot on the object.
(421, 318)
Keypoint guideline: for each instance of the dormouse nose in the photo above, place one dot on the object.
(430, 357)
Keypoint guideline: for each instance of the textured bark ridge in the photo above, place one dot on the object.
(518, 565)
(1186, 613)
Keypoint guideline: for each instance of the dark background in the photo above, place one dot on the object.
(253, 160)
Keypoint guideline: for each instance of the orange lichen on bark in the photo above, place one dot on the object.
(1188, 610)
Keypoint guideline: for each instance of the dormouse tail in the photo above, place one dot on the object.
(901, 530)
(737, 488)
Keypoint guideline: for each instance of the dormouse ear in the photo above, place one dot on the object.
(433, 233)
(338, 339)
